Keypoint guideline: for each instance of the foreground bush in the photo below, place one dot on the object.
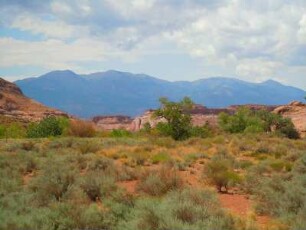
(219, 172)
(186, 209)
(53, 182)
(281, 195)
(159, 182)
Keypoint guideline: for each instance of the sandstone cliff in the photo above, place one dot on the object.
(17, 107)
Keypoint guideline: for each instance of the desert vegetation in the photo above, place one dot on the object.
(61, 174)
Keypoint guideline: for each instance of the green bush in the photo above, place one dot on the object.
(13, 130)
(248, 121)
(160, 157)
(219, 171)
(200, 131)
(48, 127)
(120, 133)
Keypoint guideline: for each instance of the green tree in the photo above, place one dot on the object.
(178, 119)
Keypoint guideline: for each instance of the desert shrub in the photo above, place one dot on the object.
(166, 142)
(137, 158)
(160, 157)
(28, 146)
(195, 156)
(78, 128)
(146, 128)
(219, 171)
(102, 164)
(53, 182)
(126, 173)
(30, 164)
(88, 147)
(286, 128)
(48, 127)
(281, 194)
(186, 209)
(13, 130)
(96, 185)
(201, 131)
(159, 182)
(120, 133)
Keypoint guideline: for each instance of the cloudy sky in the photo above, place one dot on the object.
(170, 39)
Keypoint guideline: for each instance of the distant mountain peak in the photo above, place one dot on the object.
(271, 82)
(116, 92)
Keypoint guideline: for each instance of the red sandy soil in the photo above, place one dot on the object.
(237, 204)
(27, 177)
(240, 205)
(129, 186)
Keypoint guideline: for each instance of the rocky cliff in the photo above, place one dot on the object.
(17, 107)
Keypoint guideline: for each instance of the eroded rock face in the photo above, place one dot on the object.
(112, 122)
(139, 122)
(297, 112)
(16, 106)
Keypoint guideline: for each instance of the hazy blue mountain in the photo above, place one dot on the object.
(115, 92)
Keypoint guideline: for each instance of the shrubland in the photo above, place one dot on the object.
(58, 174)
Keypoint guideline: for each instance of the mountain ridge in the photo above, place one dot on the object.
(116, 92)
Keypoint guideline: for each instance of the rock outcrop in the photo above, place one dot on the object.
(296, 111)
(112, 122)
(200, 115)
(17, 107)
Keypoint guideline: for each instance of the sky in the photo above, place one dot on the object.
(169, 39)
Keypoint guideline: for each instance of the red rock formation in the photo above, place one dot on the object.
(112, 122)
(297, 112)
(16, 106)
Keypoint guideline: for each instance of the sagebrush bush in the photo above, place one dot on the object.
(88, 147)
(96, 185)
(186, 209)
(53, 182)
(159, 182)
(220, 172)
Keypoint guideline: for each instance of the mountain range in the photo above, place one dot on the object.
(115, 92)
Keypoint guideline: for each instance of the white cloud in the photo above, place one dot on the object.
(51, 53)
(50, 29)
(302, 30)
(247, 38)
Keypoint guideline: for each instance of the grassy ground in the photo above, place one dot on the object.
(222, 182)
